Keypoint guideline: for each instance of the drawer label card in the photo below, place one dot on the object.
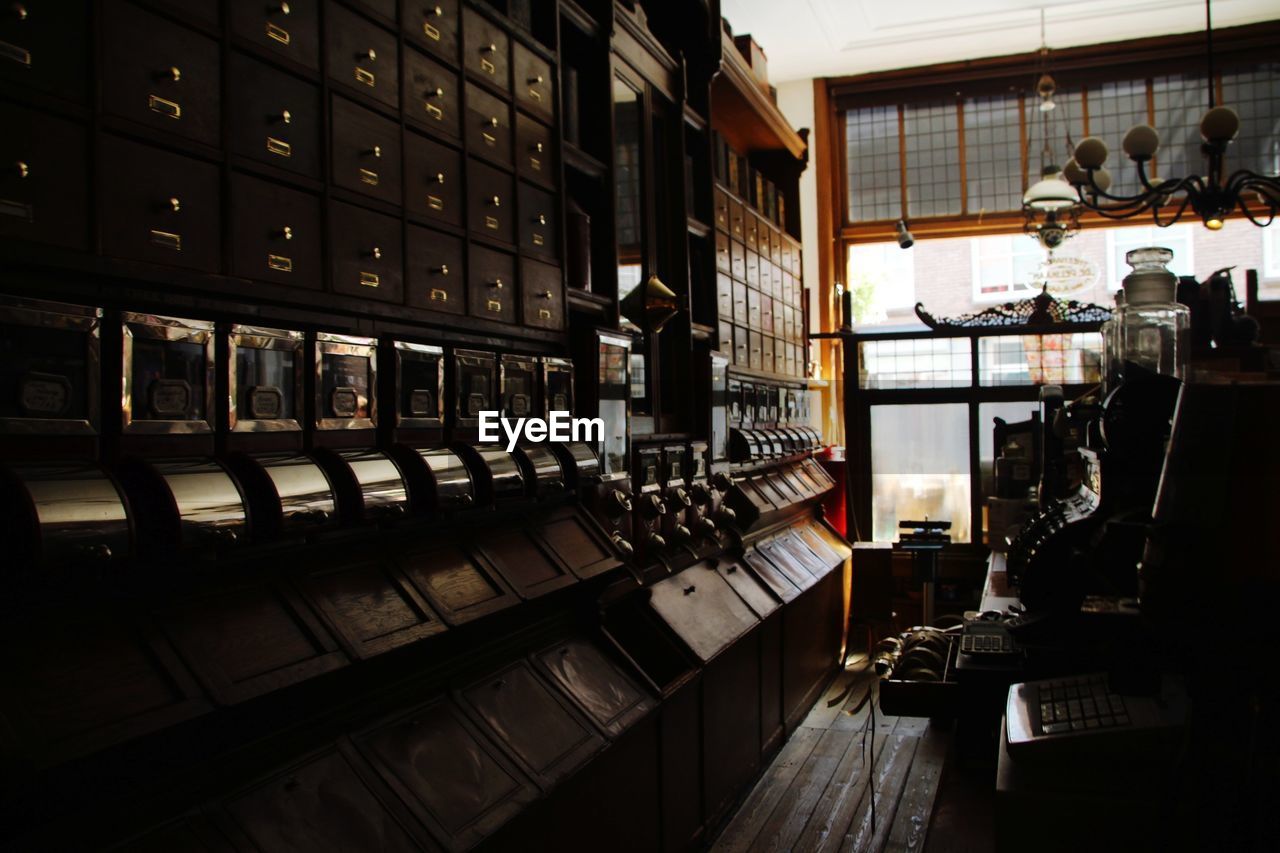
(435, 202)
(344, 402)
(430, 31)
(167, 239)
(279, 147)
(368, 176)
(44, 394)
(13, 53)
(266, 402)
(277, 33)
(493, 305)
(370, 279)
(422, 403)
(366, 77)
(169, 398)
(164, 106)
(280, 263)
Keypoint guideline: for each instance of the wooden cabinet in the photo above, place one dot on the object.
(365, 151)
(361, 55)
(535, 152)
(433, 181)
(488, 126)
(532, 83)
(431, 94)
(366, 253)
(434, 267)
(276, 233)
(542, 294)
(290, 30)
(273, 117)
(490, 202)
(485, 50)
(491, 290)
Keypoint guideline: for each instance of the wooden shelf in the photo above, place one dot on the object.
(742, 112)
(698, 228)
(582, 162)
(589, 303)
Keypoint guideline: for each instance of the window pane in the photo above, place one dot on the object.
(1113, 109)
(933, 181)
(1179, 103)
(915, 363)
(1069, 359)
(993, 154)
(920, 467)
(1255, 95)
(987, 413)
(882, 280)
(875, 185)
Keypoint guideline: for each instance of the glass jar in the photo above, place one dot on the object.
(1112, 351)
(1154, 328)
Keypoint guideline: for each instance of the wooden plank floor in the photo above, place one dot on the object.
(818, 794)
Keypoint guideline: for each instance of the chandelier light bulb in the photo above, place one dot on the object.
(1220, 125)
(1141, 142)
(1073, 174)
(1091, 152)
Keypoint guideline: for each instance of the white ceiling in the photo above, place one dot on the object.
(829, 38)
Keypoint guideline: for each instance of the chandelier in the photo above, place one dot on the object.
(1050, 206)
(1212, 196)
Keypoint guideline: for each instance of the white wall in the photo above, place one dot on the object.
(795, 99)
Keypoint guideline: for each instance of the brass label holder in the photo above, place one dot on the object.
(164, 106)
(277, 33)
(279, 147)
(370, 279)
(366, 77)
(280, 263)
(167, 239)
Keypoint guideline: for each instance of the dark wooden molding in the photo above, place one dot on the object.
(744, 114)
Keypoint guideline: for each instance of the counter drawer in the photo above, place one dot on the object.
(538, 232)
(431, 94)
(433, 180)
(491, 285)
(362, 55)
(535, 152)
(275, 233)
(44, 185)
(47, 50)
(159, 207)
(488, 126)
(291, 29)
(533, 84)
(274, 117)
(542, 294)
(365, 151)
(490, 202)
(432, 24)
(366, 254)
(436, 278)
(484, 49)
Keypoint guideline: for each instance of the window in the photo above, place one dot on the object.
(1255, 94)
(1113, 109)
(915, 363)
(1005, 265)
(1122, 240)
(920, 467)
(882, 278)
(993, 159)
(933, 182)
(871, 138)
(1271, 253)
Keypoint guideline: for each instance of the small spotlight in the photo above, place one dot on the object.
(905, 240)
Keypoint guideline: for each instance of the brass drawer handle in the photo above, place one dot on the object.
(443, 269)
(496, 284)
(490, 48)
(283, 9)
(286, 117)
(438, 12)
(438, 93)
(535, 81)
(376, 254)
(495, 201)
(547, 294)
(174, 73)
(370, 54)
(19, 11)
(439, 177)
(22, 169)
(542, 219)
(175, 204)
(375, 151)
(493, 121)
(538, 147)
(286, 232)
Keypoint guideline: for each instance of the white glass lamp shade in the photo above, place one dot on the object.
(1220, 124)
(1049, 194)
(1141, 142)
(1073, 174)
(1102, 178)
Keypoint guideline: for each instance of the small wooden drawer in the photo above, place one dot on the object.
(789, 294)
(488, 126)
(485, 49)
(432, 24)
(776, 274)
(795, 259)
(753, 308)
(490, 202)
(767, 353)
(44, 178)
(47, 49)
(755, 352)
(766, 314)
(535, 152)
(491, 291)
(778, 312)
(532, 83)
(433, 180)
(740, 314)
(274, 117)
(365, 253)
(161, 74)
(538, 232)
(752, 268)
(775, 246)
(275, 233)
(542, 294)
(722, 211)
(724, 296)
(726, 337)
(751, 223)
(291, 29)
(741, 346)
(431, 94)
(362, 55)
(722, 252)
(159, 207)
(737, 228)
(737, 260)
(365, 151)
(437, 279)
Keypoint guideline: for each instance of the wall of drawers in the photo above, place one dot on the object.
(758, 290)
(356, 154)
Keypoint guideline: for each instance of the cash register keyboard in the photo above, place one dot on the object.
(1078, 704)
(987, 640)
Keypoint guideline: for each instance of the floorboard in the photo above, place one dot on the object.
(816, 795)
